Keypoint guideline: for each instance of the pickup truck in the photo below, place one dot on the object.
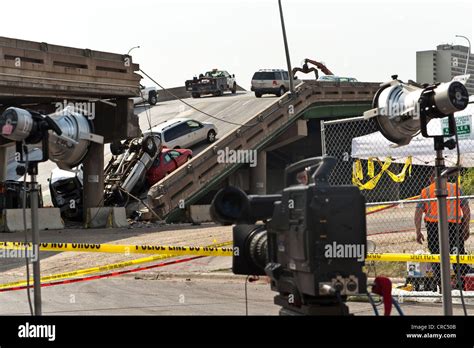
(147, 95)
(214, 82)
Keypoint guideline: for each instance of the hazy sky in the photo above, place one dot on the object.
(369, 40)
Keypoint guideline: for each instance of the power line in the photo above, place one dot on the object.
(195, 108)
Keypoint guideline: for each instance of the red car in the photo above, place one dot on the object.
(166, 162)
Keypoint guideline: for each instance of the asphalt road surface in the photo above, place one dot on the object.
(129, 296)
(232, 108)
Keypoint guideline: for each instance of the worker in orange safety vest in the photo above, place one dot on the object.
(459, 215)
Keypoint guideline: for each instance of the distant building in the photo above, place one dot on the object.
(442, 64)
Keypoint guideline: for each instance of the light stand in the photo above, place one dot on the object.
(44, 124)
(443, 229)
(28, 127)
(33, 172)
(401, 110)
(441, 195)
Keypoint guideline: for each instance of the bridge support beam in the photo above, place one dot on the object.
(5, 154)
(3, 162)
(297, 130)
(93, 193)
(258, 175)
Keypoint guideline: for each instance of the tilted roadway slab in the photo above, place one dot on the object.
(232, 108)
(256, 131)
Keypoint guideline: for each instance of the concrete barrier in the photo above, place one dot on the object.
(48, 219)
(109, 217)
(200, 213)
(179, 92)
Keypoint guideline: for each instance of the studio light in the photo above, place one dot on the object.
(401, 110)
(63, 137)
(400, 107)
(68, 133)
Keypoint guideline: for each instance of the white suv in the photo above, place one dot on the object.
(270, 81)
(184, 132)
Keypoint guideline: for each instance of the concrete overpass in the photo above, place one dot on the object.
(278, 147)
(277, 128)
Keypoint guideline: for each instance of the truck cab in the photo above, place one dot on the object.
(230, 79)
(214, 82)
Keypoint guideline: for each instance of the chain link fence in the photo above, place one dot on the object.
(391, 179)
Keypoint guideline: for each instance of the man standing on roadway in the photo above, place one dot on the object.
(458, 222)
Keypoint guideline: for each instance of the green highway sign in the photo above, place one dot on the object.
(463, 125)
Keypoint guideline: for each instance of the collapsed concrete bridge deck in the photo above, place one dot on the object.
(275, 125)
(38, 75)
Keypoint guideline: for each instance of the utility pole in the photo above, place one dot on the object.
(287, 51)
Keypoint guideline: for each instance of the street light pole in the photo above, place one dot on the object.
(468, 53)
(288, 62)
(131, 49)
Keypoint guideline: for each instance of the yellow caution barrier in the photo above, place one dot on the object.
(209, 251)
(87, 271)
(388, 257)
(126, 249)
(93, 270)
(358, 175)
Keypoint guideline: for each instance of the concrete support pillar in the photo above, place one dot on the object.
(93, 177)
(258, 175)
(5, 152)
(3, 163)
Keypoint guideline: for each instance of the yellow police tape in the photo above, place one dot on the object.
(88, 271)
(358, 174)
(389, 257)
(98, 269)
(212, 250)
(126, 249)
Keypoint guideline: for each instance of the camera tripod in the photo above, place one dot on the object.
(314, 306)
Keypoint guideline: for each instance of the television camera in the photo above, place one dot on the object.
(310, 239)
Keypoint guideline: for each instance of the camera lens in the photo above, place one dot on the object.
(229, 205)
(259, 248)
(232, 205)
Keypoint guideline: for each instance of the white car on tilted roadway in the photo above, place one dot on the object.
(182, 133)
